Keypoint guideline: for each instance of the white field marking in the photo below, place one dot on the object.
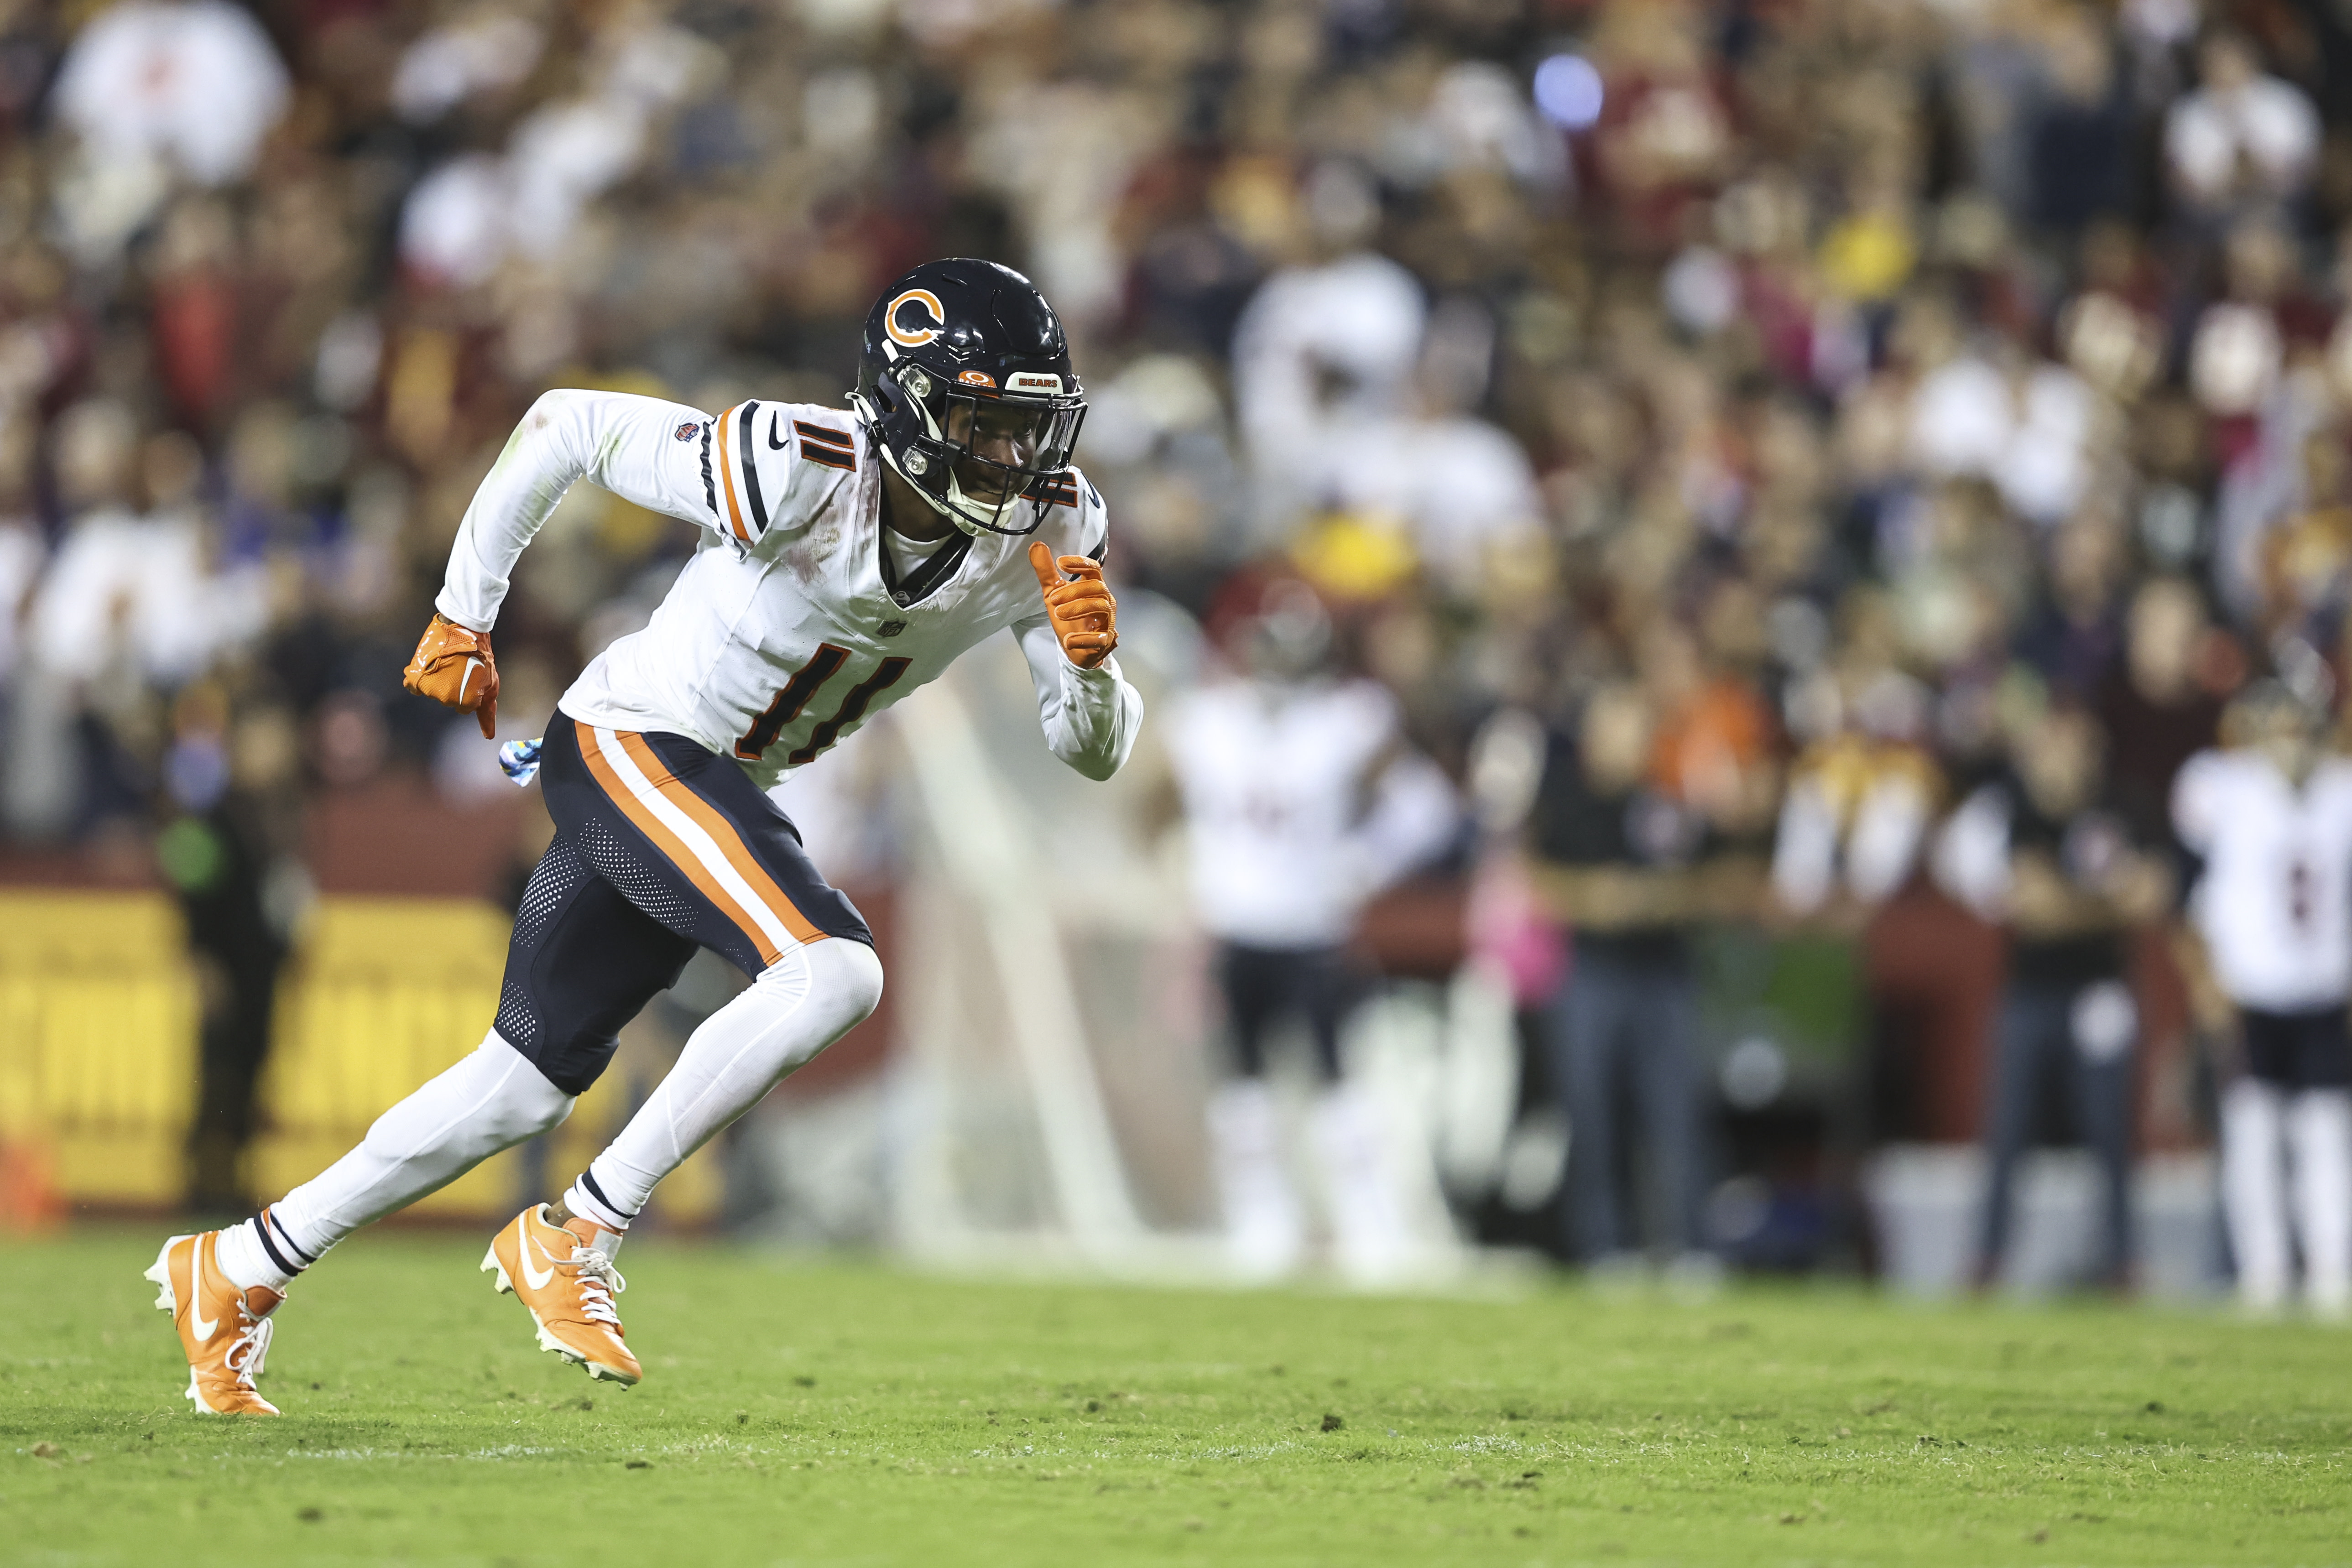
(701, 844)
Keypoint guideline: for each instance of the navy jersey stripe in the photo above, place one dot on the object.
(709, 489)
(751, 474)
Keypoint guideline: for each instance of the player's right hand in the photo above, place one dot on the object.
(453, 665)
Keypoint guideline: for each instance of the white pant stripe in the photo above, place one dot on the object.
(698, 843)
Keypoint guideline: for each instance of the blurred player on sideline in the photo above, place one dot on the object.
(849, 557)
(1301, 802)
(2269, 955)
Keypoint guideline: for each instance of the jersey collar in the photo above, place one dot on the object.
(924, 579)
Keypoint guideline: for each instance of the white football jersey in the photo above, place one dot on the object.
(790, 626)
(2275, 904)
(1292, 829)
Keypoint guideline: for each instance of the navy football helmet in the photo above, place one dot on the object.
(965, 386)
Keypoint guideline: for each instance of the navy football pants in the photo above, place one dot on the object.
(660, 848)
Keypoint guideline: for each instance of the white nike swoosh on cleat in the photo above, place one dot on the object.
(537, 1280)
(196, 1292)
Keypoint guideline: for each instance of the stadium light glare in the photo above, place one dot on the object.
(1568, 91)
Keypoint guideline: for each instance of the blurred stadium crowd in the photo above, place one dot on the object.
(1778, 410)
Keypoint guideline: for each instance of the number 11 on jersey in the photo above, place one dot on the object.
(795, 694)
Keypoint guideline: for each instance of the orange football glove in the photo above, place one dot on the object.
(453, 665)
(1084, 615)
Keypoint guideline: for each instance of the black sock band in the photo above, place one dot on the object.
(271, 1222)
(262, 1228)
(588, 1180)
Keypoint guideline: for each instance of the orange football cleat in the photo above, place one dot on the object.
(569, 1286)
(225, 1331)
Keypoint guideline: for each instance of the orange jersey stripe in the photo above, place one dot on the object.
(722, 832)
(653, 828)
(727, 474)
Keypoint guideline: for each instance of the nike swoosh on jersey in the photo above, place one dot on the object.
(776, 423)
(196, 1320)
(536, 1279)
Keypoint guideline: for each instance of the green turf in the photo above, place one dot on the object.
(841, 1413)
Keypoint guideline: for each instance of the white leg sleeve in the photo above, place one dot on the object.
(1263, 1229)
(2319, 1126)
(491, 1101)
(801, 1003)
(2252, 1193)
(1367, 1221)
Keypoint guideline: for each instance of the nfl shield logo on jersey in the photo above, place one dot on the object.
(889, 628)
(690, 430)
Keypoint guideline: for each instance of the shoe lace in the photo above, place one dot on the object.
(599, 1283)
(250, 1349)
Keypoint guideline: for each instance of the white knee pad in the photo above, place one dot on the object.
(824, 989)
(847, 972)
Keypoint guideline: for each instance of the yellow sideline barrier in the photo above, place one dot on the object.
(98, 1048)
(99, 1017)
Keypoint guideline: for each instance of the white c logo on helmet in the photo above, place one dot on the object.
(920, 335)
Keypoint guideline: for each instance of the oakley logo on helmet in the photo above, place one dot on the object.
(1032, 380)
(916, 335)
(976, 378)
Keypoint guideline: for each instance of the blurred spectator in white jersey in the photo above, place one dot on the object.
(1301, 801)
(2269, 960)
(152, 89)
(1323, 348)
(2242, 139)
(137, 588)
(1461, 488)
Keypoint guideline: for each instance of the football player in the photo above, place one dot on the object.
(2270, 818)
(1304, 800)
(848, 557)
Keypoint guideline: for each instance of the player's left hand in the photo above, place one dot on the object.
(453, 665)
(1085, 616)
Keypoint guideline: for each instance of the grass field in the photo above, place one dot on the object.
(799, 1412)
